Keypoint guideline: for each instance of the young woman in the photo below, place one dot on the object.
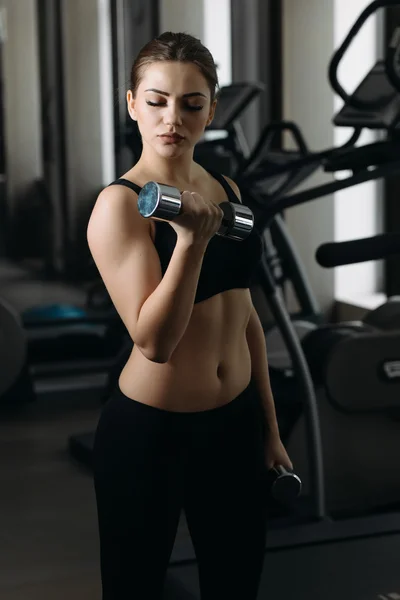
(191, 425)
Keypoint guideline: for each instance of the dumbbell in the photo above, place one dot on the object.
(285, 485)
(163, 203)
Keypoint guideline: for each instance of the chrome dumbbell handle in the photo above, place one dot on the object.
(163, 203)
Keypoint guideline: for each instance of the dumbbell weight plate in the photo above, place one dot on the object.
(285, 485)
(238, 221)
(12, 346)
(162, 202)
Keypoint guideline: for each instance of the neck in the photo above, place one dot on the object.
(171, 171)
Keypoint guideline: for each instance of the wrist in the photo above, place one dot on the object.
(272, 430)
(190, 244)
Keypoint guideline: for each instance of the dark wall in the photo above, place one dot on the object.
(53, 132)
(133, 25)
(257, 56)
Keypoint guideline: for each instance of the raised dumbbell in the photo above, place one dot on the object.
(163, 203)
(285, 485)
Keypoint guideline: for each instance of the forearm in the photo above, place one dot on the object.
(165, 315)
(259, 370)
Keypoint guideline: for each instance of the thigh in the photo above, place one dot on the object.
(137, 483)
(225, 506)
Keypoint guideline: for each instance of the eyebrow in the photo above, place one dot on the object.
(167, 94)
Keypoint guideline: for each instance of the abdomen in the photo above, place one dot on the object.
(210, 366)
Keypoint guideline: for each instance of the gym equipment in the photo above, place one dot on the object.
(53, 343)
(386, 316)
(266, 174)
(227, 152)
(334, 254)
(285, 485)
(346, 492)
(356, 370)
(365, 163)
(63, 340)
(318, 344)
(16, 386)
(270, 173)
(375, 104)
(163, 203)
(13, 346)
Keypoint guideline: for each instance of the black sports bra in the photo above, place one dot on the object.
(227, 264)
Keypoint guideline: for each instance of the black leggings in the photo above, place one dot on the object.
(149, 464)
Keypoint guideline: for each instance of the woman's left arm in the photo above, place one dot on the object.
(275, 452)
(259, 370)
(258, 350)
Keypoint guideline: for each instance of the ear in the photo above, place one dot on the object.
(130, 101)
(211, 113)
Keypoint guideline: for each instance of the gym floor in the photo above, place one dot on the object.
(48, 527)
(47, 513)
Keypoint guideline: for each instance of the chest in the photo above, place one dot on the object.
(222, 256)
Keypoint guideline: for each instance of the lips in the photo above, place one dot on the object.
(175, 137)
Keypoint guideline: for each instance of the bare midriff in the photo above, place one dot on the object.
(210, 366)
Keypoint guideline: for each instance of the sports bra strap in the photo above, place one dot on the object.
(220, 178)
(127, 183)
(228, 189)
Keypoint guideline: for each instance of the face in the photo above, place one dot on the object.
(172, 107)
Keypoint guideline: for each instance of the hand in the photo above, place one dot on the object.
(200, 219)
(275, 453)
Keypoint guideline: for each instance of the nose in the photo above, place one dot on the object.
(173, 115)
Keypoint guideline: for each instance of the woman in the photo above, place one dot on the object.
(191, 425)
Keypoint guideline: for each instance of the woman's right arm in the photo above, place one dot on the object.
(155, 310)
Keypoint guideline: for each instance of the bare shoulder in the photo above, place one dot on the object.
(114, 203)
(233, 186)
(116, 195)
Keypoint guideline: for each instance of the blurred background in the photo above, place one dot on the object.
(294, 115)
(65, 131)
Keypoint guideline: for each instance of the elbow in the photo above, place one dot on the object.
(155, 355)
(154, 350)
(159, 358)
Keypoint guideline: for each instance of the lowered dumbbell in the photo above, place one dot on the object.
(163, 203)
(285, 485)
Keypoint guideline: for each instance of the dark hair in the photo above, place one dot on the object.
(179, 47)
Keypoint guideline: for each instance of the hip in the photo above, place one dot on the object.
(123, 417)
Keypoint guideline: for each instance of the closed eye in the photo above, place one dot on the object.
(186, 107)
